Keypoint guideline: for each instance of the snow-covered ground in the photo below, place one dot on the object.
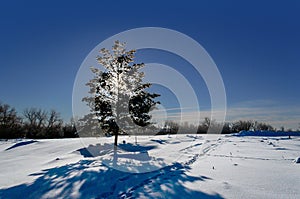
(175, 166)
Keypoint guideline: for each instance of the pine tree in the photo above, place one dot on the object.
(119, 98)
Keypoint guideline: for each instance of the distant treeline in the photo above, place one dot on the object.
(36, 123)
(171, 127)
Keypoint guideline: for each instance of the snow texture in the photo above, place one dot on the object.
(179, 166)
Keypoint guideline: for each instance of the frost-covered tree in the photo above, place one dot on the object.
(119, 98)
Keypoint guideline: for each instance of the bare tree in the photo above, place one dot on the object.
(34, 121)
(243, 125)
(10, 123)
(210, 126)
(54, 125)
(40, 123)
(263, 126)
(70, 129)
(35, 117)
(54, 119)
(227, 128)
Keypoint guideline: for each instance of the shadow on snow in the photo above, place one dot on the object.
(102, 149)
(21, 144)
(93, 179)
(127, 157)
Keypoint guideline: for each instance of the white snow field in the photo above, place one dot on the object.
(167, 166)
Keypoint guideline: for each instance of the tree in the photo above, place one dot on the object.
(170, 127)
(243, 125)
(54, 124)
(10, 123)
(34, 121)
(263, 127)
(88, 126)
(118, 94)
(209, 126)
(186, 127)
(70, 130)
(206, 123)
(227, 128)
(42, 124)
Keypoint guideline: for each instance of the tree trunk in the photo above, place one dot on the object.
(117, 110)
(116, 135)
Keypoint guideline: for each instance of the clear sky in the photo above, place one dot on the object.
(255, 44)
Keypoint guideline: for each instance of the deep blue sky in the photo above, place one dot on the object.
(255, 44)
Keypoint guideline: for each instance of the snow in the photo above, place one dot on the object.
(268, 133)
(166, 166)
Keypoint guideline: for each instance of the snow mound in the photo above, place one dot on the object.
(267, 133)
(22, 143)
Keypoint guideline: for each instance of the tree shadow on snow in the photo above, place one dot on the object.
(92, 179)
(126, 157)
(102, 149)
(96, 150)
(135, 148)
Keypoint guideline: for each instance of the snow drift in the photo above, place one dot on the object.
(187, 166)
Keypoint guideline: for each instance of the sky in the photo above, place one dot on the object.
(255, 45)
